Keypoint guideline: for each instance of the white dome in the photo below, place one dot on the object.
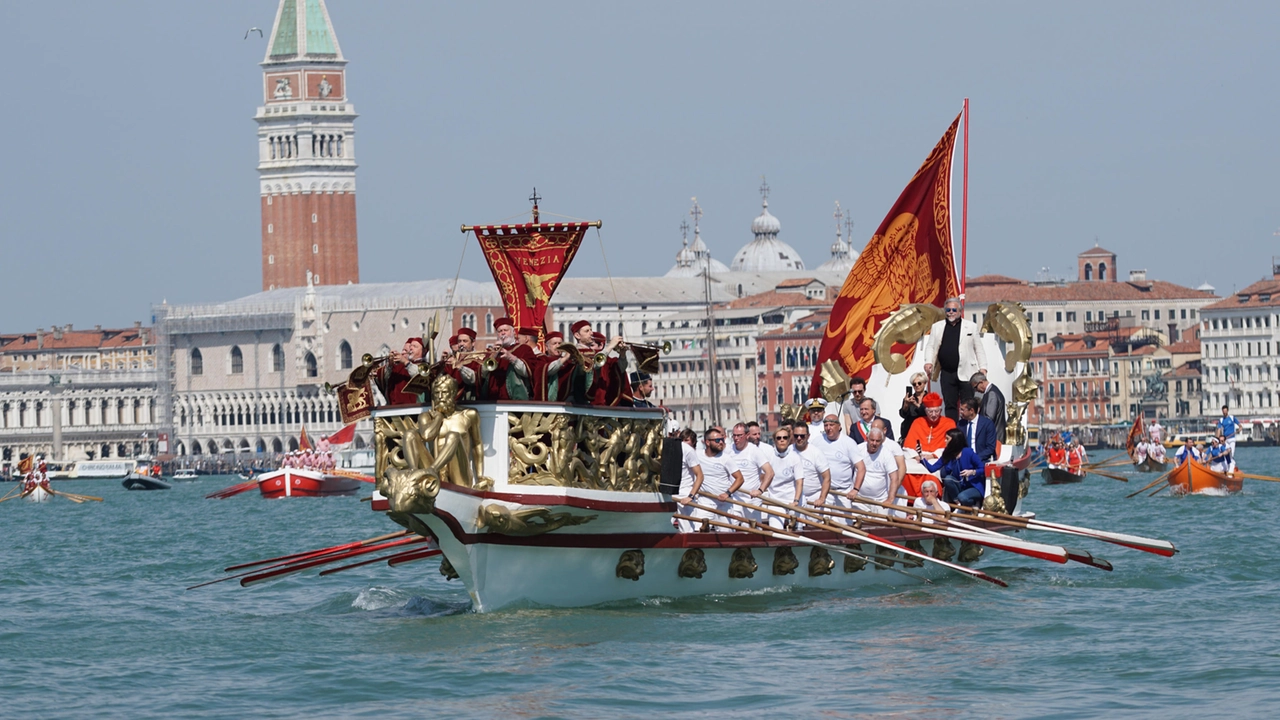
(766, 224)
(842, 259)
(693, 258)
(766, 253)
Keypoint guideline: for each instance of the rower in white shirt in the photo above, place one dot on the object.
(752, 462)
(814, 467)
(690, 475)
(880, 472)
(842, 455)
(787, 484)
(720, 479)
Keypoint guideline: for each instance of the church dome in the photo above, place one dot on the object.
(842, 259)
(766, 253)
(692, 259)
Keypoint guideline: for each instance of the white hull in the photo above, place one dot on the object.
(37, 494)
(577, 565)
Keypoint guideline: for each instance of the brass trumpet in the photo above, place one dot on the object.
(664, 348)
(367, 365)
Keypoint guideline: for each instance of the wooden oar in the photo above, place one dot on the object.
(76, 496)
(771, 532)
(389, 558)
(1052, 553)
(409, 557)
(868, 537)
(321, 551)
(236, 489)
(1121, 478)
(353, 475)
(1153, 483)
(1081, 556)
(1160, 489)
(10, 495)
(1252, 476)
(1151, 545)
(1113, 457)
(305, 564)
(299, 557)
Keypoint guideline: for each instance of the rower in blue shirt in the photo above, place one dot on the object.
(1228, 427)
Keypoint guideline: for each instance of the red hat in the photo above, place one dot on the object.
(556, 335)
(933, 399)
(530, 331)
(503, 321)
(598, 337)
(416, 340)
(453, 340)
(574, 328)
(466, 331)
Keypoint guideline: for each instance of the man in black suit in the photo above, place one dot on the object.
(867, 414)
(992, 402)
(979, 431)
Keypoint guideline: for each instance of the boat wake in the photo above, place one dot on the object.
(389, 601)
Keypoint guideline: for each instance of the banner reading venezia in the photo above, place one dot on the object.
(908, 260)
(528, 262)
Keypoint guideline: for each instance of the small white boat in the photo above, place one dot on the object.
(186, 475)
(37, 494)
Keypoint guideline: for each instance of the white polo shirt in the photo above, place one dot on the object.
(812, 463)
(879, 465)
(786, 468)
(842, 454)
(688, 461)
(750, 461)
(717, 473)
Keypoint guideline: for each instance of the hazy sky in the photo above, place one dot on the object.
(130, 150)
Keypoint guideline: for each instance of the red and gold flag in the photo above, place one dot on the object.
(343, 436)
(527, 262)
(25, 465)
(908, 260)
(304, 442)
(354, 402)
(1137, 434)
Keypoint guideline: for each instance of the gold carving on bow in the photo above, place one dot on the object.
(414, 455)
(526, 521)
(943, 549)
(1008, 321)
(853, 564)
(835, 381)
(446, 569)
(784, 561)
(906, 326)
(820, 562)
(692, 564)
(583, 451)
(630, 565)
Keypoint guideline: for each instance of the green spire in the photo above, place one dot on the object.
(303, 33)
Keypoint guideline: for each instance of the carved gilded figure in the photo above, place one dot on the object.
(527, 522)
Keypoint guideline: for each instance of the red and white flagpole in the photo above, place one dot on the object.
(964, 205)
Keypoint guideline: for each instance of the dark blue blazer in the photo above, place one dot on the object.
(984, 442)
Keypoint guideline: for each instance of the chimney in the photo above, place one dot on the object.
(137, 324)
(39, 338)
(1137, 276)
(68, 327)
(1275, 267)
(97, 328)
(142, 335)
(57, 332)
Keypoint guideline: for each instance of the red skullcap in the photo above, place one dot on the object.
(933, 399)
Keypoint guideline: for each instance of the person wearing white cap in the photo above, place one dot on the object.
(815, 410)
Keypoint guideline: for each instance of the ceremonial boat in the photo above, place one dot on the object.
(558, 504)
(1192, 477)
(297, 482)
(1142, 461)
(1058, 476)
(36, 492)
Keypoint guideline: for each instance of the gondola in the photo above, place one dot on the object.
(1150, 465)
(1192, 477)
(1058, 476)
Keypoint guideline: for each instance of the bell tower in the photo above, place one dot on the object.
(306, 153)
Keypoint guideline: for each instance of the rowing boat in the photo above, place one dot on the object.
(1192, 477)
(1058, 476)
(1150, 464)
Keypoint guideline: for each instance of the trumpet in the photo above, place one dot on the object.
(664, 348)
(574, 354)
(367, 365)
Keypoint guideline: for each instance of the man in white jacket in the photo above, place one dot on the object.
(953, 353)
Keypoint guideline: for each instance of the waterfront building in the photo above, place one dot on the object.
(785, 361)
(248, 375)
(306, 153)
(1074, 374)
(1059, 307)
(1240, 341)
(78, 394)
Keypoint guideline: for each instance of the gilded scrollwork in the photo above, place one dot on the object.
(1008, 321)
(585, 451)
(416, 454)
(905, 326)
(527, 521)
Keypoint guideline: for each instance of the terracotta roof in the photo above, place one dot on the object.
(1182, 347)
(1186, 370)
(75, 340)
(797, 282)
(773, 298)
(1254, 294)
(991, 280)
(1139, 351)
(1084, 291)
(1095, 250)
(1073, 344)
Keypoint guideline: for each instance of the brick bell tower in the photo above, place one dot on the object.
(306, 153)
